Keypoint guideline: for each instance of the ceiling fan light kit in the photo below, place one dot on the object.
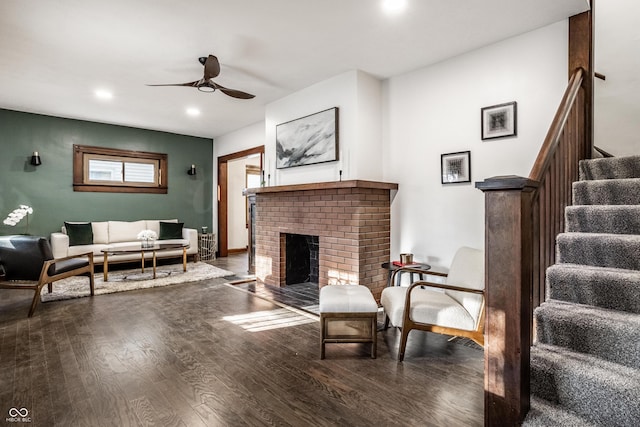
(205, 88)
(206, 83)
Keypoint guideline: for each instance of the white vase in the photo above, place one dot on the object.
(147, 243)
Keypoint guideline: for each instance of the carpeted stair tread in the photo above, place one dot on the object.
(608, 334)
(612, 219)
(546, 414)
(611, 288)
(599, 391)
(585, 366)
(610, 168)
(607, 192)
(599, 250)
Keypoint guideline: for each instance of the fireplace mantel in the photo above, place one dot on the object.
(352, 220)
(354, 183)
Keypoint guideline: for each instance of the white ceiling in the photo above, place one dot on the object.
(56, 53)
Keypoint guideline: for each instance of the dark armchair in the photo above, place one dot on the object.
(26, 262)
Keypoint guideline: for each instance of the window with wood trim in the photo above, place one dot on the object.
(111, 170)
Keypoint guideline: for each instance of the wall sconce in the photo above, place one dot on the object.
(192, 170)
(35, 159)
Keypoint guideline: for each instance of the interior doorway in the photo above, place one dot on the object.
(228, 180)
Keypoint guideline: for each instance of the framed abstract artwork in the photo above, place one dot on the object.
(456, 167)
(308, 140)
(499, 121)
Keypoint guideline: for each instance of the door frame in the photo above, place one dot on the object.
(223, 196)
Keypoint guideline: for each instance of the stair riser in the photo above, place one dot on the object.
(603, 219)
(615, 290)
(599, 250)
(575, 387)
(592, 334)
(545, 414)
(607, 192)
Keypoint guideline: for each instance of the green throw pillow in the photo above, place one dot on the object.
(79, 234)
(170, 230)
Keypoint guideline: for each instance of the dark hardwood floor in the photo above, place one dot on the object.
(207, 354)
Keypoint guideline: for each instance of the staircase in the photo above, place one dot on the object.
(585, 365)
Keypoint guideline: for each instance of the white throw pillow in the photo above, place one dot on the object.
(100, 232)
(123, 231)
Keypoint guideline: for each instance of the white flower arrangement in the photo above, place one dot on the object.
(17, 214)
(147, 235)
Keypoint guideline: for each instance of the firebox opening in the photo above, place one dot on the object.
(301, 259)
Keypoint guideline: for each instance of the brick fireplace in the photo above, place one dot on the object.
(352, 222)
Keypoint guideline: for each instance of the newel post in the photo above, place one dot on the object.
(508, 281)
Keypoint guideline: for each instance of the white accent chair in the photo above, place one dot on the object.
(453, 308)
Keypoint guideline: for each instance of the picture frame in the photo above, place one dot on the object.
(499, 121)
(455, 167)
(308, 140)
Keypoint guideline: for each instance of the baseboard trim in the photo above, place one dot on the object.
(237, 250)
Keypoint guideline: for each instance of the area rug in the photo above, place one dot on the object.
(127, 280)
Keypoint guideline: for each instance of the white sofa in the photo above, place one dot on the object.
(122, 233)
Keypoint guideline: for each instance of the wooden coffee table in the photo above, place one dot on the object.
(138, 248)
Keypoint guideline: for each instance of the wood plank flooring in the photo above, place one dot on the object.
(206, 354)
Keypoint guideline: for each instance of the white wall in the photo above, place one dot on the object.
(238, 233)
(436, 110)
(248, 137)
(358, 97)
(236, 226)
(368, 150)
(242, 139)
(396, 130)
(617, 99)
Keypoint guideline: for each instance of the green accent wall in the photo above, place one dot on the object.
(48, 188)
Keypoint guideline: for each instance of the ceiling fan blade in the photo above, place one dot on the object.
(211, 66)
(233, 92)
(192, 84)
(206, 84)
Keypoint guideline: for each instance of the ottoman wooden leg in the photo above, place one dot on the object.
(322, 332)
(374, 338)
(348, 314)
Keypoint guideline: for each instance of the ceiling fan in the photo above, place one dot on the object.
(206, 84)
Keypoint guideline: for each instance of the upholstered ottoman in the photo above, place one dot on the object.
(348, 314)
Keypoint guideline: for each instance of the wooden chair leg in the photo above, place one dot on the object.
(36, 298)
(403, 343)
(91, 283)
(386, 322)
(478, 339)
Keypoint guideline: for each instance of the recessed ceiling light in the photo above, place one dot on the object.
(103, 94)
(193, 112)
(394, 6)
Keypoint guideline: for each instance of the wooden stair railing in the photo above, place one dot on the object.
(522, 218)
(555, 169)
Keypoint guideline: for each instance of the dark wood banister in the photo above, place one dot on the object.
(550, 144)
(554, 170)
(602, 152)
(522, 218)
